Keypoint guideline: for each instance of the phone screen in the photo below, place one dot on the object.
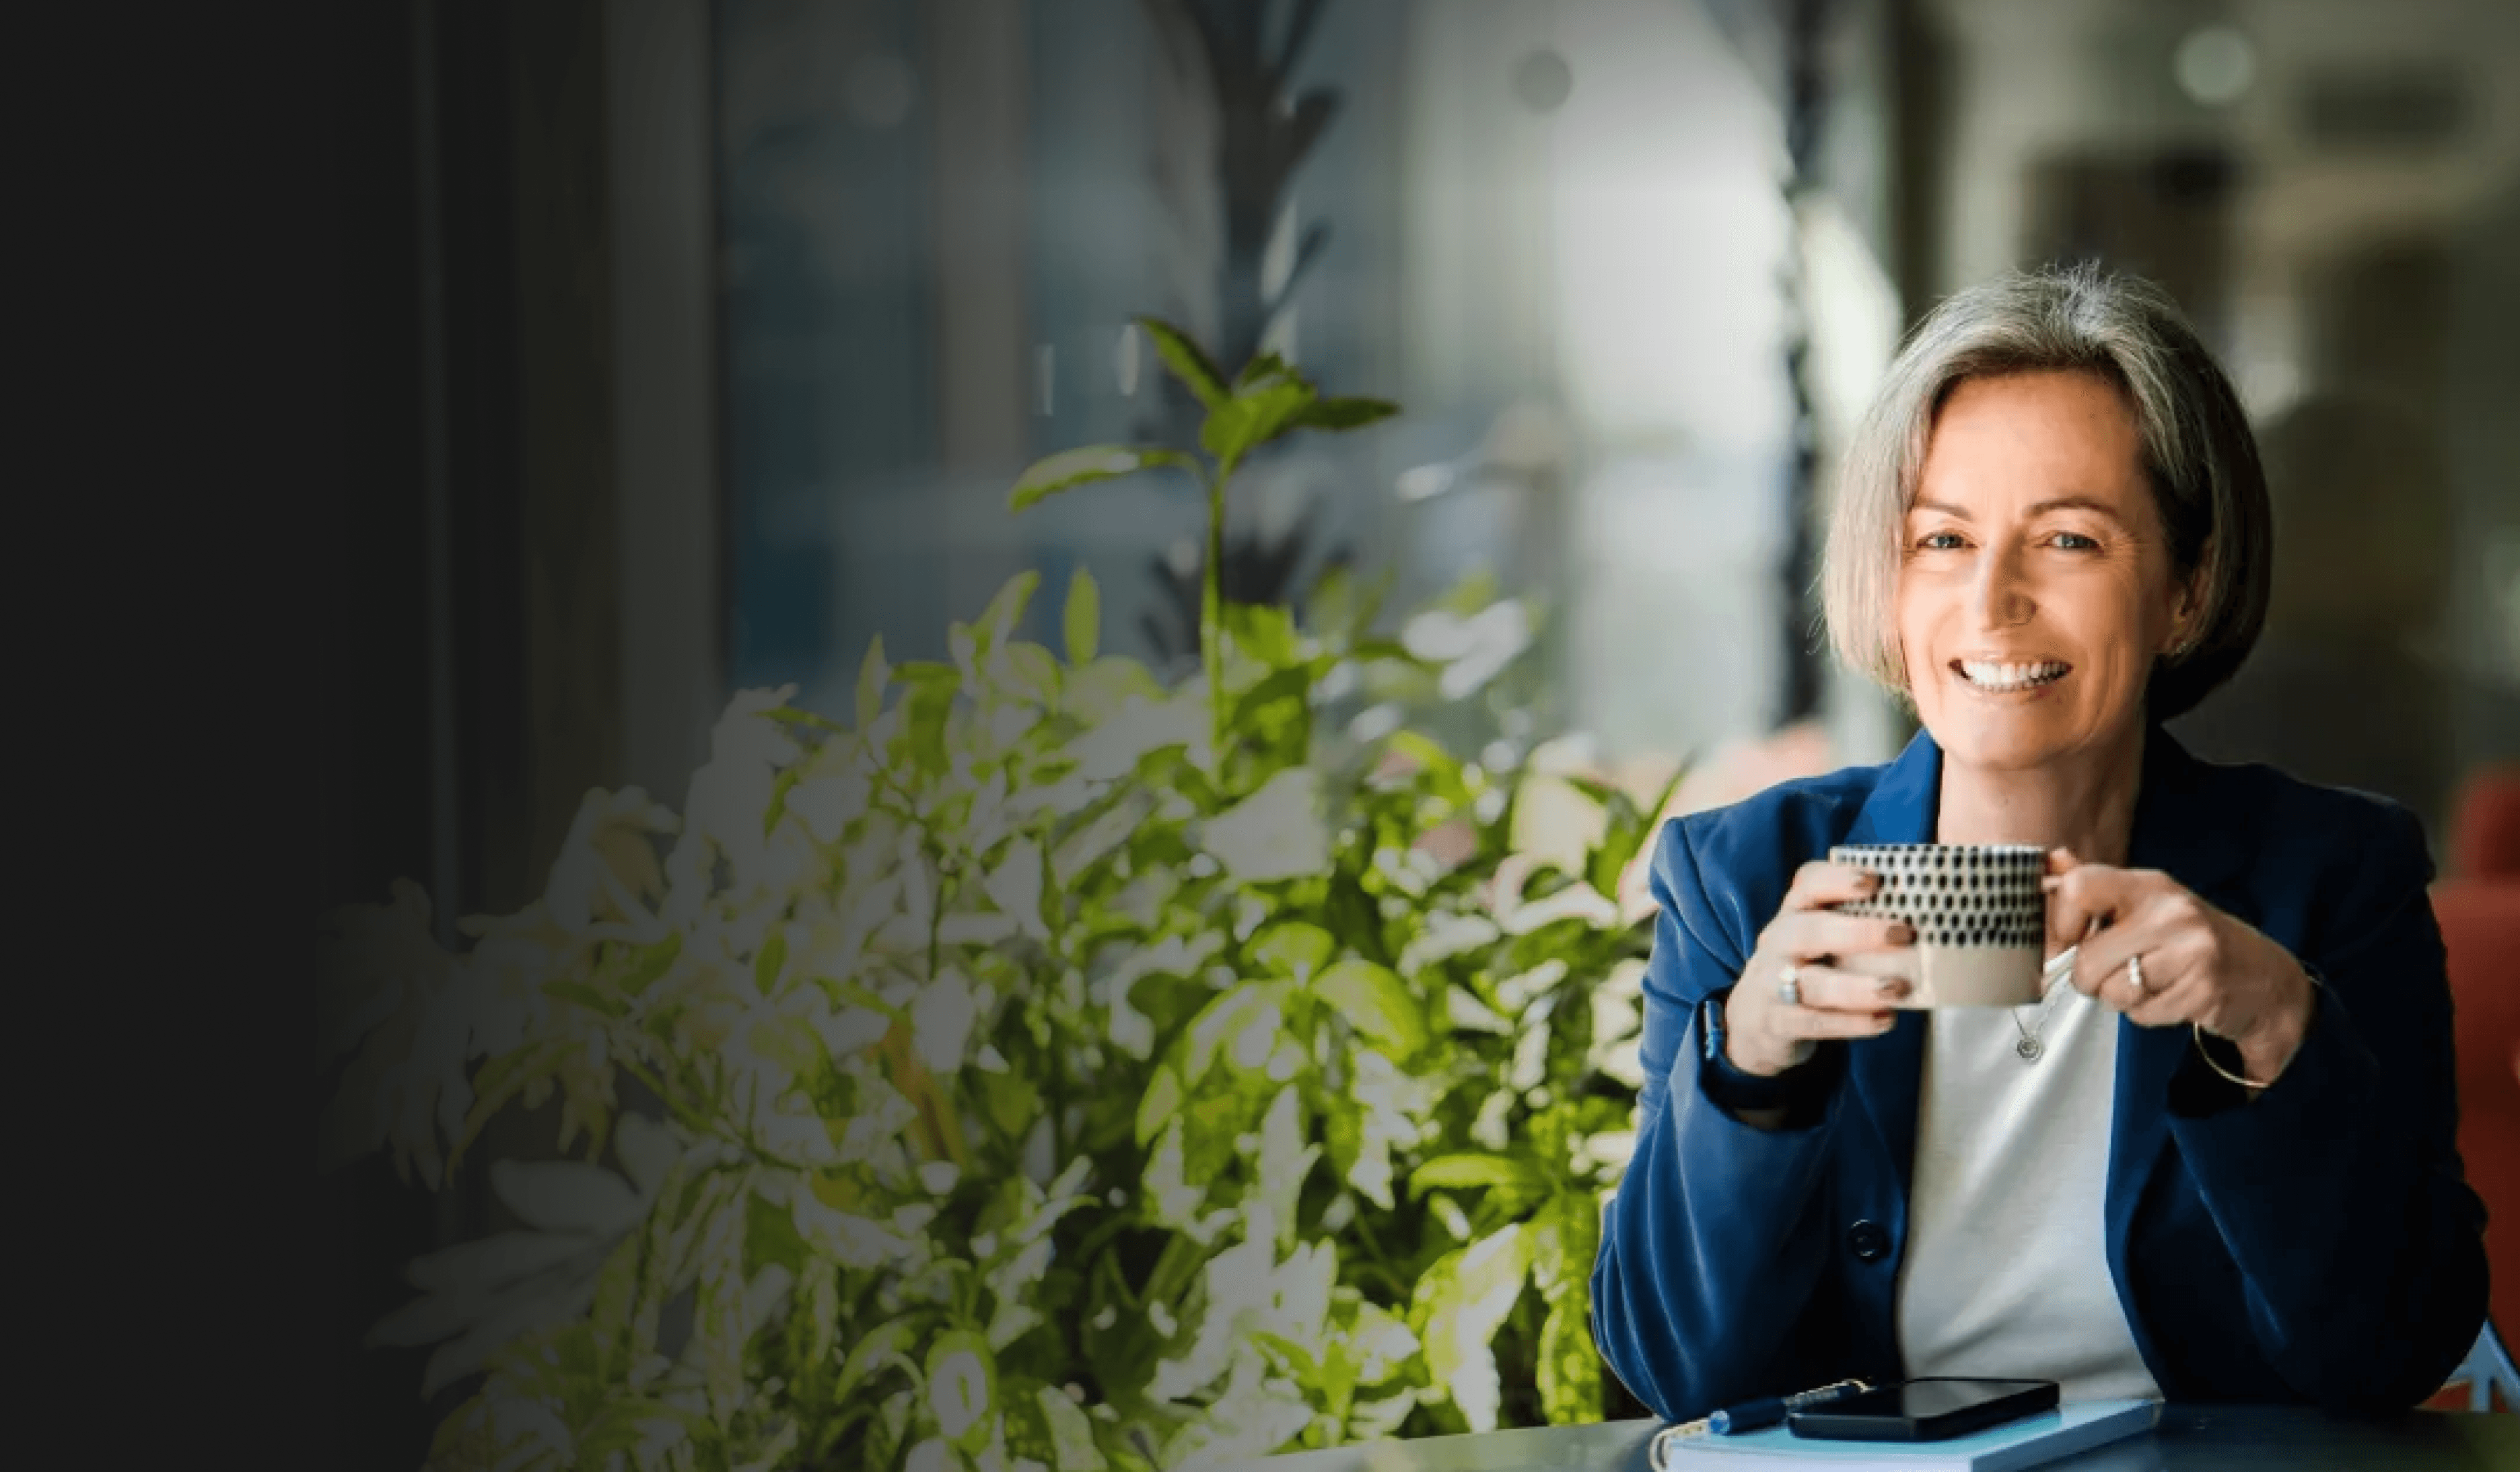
(1927, 1399)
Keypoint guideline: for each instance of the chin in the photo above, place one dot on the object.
(1969, 745)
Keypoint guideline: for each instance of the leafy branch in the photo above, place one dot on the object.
(1266, 402)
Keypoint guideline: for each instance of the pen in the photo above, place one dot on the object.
(1756, 1415)
(1750, 1416)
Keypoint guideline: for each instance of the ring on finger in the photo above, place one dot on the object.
(1789, 985)
(2134, 976)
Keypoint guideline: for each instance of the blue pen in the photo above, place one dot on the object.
(1751, 1415)
(1759, 1415)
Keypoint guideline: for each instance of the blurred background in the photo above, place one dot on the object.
(694, 346)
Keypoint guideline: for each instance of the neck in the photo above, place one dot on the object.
(2085, 803)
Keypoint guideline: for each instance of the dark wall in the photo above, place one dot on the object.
(469, 693)
(371, 637)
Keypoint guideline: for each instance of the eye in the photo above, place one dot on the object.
(2073, 541)
(1940, 541)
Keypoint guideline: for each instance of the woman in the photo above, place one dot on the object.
(2228, 1172)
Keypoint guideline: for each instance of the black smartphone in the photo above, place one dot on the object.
(1924, 1410)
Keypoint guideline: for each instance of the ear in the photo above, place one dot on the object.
(2188, 607)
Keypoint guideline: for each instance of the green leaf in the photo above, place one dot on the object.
(873, 676)
(1069, 468)
(923, 724)
(649, 962)
(1253, 417)
(962, 1388)
(1566, 1234)
(818, 1289)
(1294, 947)
(870, 1354)
(1377, 1002)
(617, 1292)
(770, 1236)
(1593, 787)
(1032, 672)
(1264, 633)
(1295, 1356)
(1162, 1099)
(1262, 366)
(1344, 413)
(1187, 360)
(857, 994)
(1224, 1024)
(1436, 768)
(1342, 609)
(1623, 832)
(769, 960)
(1473, 1171)
(1352, 917)
(502, 1079)
(717, 1314)
(1071, 1435)
(1083, 622)
(1285, 694)
(586, 996)
(626, 1422)
(777, 805)
(1570, 1367)
(1458, 1307)
(1010, 1101)
(997, 622)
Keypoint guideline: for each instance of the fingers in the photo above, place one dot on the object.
(2165, 1006)
(1829, 1002)
(1804, 1024)
(2154, 987)
(2096, 895)
(1809, 934)
(1831, 989)
(1822, 883)
(1835, 1004)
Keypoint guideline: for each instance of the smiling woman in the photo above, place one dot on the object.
(2224, 1166)
(2036, 585)
(2124, 417)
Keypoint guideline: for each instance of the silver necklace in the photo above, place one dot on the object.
(2052, 981)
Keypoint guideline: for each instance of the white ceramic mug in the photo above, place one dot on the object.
(1978, 910)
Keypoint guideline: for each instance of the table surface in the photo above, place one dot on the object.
(2190, 1438)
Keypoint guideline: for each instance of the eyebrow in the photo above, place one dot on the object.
(2059, 503)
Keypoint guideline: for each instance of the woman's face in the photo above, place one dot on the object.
(2035, 585)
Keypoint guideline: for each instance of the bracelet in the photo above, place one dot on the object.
(2197, 1029)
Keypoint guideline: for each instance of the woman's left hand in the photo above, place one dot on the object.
(2198, 964)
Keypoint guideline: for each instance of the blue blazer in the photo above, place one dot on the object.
(2318, 1244)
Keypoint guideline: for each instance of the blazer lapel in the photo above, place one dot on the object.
(1888, 1071)
(2180, 830)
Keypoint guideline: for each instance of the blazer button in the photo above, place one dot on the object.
(1870, 1240)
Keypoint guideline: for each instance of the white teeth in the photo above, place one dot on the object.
(1989, 675)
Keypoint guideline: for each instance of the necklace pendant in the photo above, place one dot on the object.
(2029, 1048)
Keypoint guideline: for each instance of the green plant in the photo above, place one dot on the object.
(1040, 1069)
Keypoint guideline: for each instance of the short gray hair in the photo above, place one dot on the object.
(2199, 455)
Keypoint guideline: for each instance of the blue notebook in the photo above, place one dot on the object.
(2076, 1426)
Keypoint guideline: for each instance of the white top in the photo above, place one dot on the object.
(2006, 1273)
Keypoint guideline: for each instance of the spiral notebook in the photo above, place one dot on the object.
(2030, 1442)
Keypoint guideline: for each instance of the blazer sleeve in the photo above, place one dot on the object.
(2339, 1189)
(1713, 1247)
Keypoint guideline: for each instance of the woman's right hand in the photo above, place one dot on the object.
(1763, 1035)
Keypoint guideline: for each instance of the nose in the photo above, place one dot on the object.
(1999, 595)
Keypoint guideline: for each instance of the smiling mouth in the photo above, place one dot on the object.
(2006, 678)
